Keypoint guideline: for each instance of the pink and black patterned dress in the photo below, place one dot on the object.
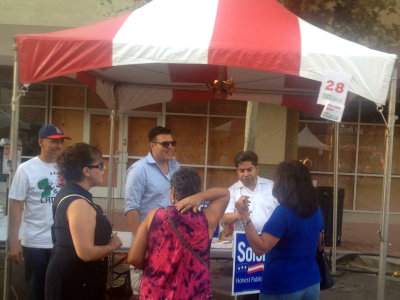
(171, 270)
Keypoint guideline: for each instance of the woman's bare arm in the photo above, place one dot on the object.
(218, 200)
(260, 244)
(137, 252)
(82, 222)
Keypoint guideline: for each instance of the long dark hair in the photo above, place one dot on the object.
(293, 188)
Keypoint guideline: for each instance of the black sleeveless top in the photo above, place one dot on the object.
(68, 277)
(61, 234)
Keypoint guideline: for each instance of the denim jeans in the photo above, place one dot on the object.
(36, 261)
(309, 293)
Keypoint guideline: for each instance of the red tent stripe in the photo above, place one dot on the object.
(68, 51)
(302, 103)
(87, 79)
(180, 96)
(235, 44)
(258, 35)
(189, 73)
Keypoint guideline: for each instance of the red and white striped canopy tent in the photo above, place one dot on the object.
(166, 49)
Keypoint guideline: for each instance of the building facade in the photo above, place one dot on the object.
(208, 133)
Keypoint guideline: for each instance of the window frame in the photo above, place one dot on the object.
(355, 173)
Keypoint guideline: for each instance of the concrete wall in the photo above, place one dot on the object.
(275, 136)
(270, 142)
(275, 143)
(292, 128)
(266, 127)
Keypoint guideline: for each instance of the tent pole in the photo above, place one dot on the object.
(110, 200)
(384, 230)
(111, 166)
(335, 195)
(12, 164)
(15, 104)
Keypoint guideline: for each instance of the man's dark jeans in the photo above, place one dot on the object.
(36, 261)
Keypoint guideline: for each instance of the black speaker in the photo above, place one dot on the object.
(3, 177)
(325, 198)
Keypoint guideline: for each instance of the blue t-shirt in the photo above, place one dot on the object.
(291, 265)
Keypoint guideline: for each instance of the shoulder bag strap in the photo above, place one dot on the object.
(185, 243)
(53, 236)
(71, 195)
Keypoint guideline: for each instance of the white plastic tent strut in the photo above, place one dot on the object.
(307, 139)
(384, 230)
(335, 194)
(13, 164)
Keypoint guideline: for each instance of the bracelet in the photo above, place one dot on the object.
(245, 223)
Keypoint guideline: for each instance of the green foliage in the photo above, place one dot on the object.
(374, 23)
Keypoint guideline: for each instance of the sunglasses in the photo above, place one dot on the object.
(166, 144)
(99, 166)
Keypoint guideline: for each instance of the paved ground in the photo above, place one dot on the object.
(355, 279)
(348, 286)
(354, 286)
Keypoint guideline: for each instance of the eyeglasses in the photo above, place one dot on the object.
(166, 144)
(99, 166)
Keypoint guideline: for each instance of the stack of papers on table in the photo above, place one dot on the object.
(218, 244)
(126, 238)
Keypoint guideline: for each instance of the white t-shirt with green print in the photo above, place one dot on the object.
(37, 183)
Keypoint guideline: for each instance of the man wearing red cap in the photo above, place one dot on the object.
(33, 189)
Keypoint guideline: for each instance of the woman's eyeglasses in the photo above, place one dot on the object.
(166, 144)
(99, 166)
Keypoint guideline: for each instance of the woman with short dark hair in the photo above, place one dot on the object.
(173, 248)
(81, 232)
(290, 238)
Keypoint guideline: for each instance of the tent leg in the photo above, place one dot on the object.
(111, 166)
(110, 199)
(384, 230)
(13, 165)
(335, 195)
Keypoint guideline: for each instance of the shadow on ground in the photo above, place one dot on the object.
(358, 284)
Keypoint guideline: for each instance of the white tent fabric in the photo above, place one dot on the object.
(180, 45)
(307, 139)
(216, 39)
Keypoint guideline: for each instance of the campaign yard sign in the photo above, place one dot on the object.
(247, 267)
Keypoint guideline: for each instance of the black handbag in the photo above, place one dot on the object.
(324, 271)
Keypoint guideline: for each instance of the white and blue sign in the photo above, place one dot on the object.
(247, 267)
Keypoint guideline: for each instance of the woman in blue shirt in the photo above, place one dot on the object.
(290, 238)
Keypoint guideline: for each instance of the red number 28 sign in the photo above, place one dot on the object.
(331, 86)
(334, 89)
